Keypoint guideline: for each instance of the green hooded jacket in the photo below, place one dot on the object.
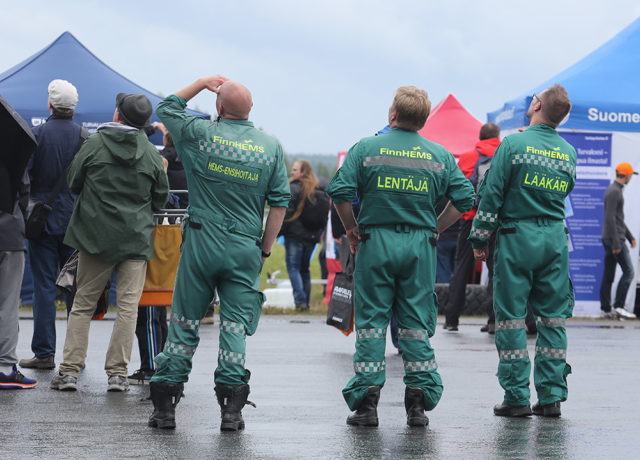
(120, 180)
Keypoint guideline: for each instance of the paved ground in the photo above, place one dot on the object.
(299, 365)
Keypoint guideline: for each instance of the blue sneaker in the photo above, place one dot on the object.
(15, 380)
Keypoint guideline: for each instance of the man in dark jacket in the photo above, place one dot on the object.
(57, 139)
(614, 234)
(472, 164)
(119, 178)
(12, 249)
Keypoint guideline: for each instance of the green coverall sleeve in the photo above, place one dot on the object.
(279, 193)
(492, 197)
(460, 190)
(344, 184)
(182, 126)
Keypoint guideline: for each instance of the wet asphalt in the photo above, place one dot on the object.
(299, 366)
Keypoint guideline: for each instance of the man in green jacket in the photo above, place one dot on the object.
(120, 180)
(399, 177)
(233, 170)
(523, 197)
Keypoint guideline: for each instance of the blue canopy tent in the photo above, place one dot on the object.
(24, 86)
(604, 128)
(603, 87)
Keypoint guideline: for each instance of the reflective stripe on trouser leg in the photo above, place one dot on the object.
(174, 363)
(550, 364)
(420, 368)
(368, 364)
(231, 353)
(514, 367)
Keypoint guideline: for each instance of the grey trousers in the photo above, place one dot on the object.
(11, 271)
(93, 274)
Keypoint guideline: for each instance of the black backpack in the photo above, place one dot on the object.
(314, 216)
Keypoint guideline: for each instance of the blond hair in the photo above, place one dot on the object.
(412, 106)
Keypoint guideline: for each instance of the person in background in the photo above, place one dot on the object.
(120, 181)
(473, 165)
(446, 255)
(12, 249)
(299, 238)
(58, 140)
(614, 234)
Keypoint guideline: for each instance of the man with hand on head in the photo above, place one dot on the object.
(233, 170)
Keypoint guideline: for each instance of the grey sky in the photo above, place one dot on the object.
(323, 74)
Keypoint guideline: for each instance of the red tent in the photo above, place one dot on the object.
(452, 126)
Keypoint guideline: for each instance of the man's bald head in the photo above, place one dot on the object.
(234, 101)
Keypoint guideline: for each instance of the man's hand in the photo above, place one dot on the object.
(213, 82)
(633, 244)
(354, 239)
(481, 253)
(615, 252)
(159, 126)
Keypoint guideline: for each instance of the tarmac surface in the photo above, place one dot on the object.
(299, 366)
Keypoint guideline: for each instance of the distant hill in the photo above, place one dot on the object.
(324, 165)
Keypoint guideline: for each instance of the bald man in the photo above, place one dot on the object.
(233, 169)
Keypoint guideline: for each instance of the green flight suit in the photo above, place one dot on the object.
(399, 177)
(523, 196)
(232, 170)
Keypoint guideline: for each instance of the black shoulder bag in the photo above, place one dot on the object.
(34, 228)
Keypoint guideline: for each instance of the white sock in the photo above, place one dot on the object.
(6, 369)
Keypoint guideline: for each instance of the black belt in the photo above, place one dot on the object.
(508, 230)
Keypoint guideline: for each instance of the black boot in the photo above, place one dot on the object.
(165, 398)
(414, 405)
(367, 413)
(548, 410)
(232, 398)
(505, 410)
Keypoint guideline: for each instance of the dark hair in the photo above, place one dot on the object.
(555, 104)
(168, 139)
(489, 130)
(308, 183)
(62, 112)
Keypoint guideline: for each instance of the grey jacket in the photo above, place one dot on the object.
(12, 225)
(614, 229)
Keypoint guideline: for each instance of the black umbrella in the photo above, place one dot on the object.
(16, 146)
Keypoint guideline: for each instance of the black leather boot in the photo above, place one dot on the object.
(165, 398)
(414, 405)
(367, 413)
(548, 410)
(232, 398)
(505, 410)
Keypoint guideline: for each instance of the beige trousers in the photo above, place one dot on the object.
(92, 277)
